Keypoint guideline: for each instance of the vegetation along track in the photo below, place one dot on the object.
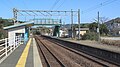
(65, 56)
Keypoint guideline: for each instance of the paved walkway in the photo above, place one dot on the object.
(24, 56)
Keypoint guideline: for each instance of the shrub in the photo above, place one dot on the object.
(38, 32)
(90, 36)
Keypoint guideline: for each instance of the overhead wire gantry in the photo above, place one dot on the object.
(71, 13)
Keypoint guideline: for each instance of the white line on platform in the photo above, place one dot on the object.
(36, 56)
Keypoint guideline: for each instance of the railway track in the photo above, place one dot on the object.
(50, 59)
(57, 55)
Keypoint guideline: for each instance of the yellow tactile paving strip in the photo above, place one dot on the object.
(23, 58)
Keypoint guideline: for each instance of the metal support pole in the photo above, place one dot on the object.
(15, 15)
(98, 30)
(72, 22)
(79, 23)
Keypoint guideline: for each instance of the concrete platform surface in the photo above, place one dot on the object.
(12, 60)
(36, 56)
(96, 45)
(32, 59)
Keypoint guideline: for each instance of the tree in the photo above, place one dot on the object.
(4, 23)
(101, 20)
(90, 36)
(1, 24)
(103, 29)
(85, 25)
(93, 27)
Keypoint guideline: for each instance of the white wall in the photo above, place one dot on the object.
(11, 34)
(62, 33)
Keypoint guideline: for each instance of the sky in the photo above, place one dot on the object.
(88, 8)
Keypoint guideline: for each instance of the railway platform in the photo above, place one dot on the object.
(24, 56)
(95, 44)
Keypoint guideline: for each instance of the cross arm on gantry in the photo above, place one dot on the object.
(71, 13)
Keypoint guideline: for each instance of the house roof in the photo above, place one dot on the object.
(19, 25)
(81, 29)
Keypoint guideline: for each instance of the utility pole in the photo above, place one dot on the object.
(72, 22)
(79, 24)
(98, 29)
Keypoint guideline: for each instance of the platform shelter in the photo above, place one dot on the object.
(18, 30)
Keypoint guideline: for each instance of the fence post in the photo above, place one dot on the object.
(10, 45)
(6, 46)
(19, 40)
(14, 42)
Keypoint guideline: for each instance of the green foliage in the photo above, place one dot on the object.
(3, 34)
(86, 25)
(75, 25)
(93, 27)
(103, 29)
(20, 21)
(37, 33)
(0, 35)
(90, 36)
(4, 23)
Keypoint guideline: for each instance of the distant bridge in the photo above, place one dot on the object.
(44, 21)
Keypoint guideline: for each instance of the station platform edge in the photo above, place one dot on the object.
(24, 56)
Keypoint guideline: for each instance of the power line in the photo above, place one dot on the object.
(7, 5)
(25, 4)
(61, 4)
(56, 2)
(11, 3)
(98, 6)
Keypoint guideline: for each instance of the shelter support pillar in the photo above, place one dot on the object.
(26, 35)
(56, 31)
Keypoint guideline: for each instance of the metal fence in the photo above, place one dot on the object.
(6, 49)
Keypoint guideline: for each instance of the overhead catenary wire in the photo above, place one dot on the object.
(56, 2)
(60, 4)
(6, 4)
(24, 3)
(98, 6)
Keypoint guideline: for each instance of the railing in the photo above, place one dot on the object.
(6, 48)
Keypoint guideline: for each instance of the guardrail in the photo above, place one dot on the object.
(6, 49)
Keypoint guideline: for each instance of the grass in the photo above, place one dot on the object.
(111, 42)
